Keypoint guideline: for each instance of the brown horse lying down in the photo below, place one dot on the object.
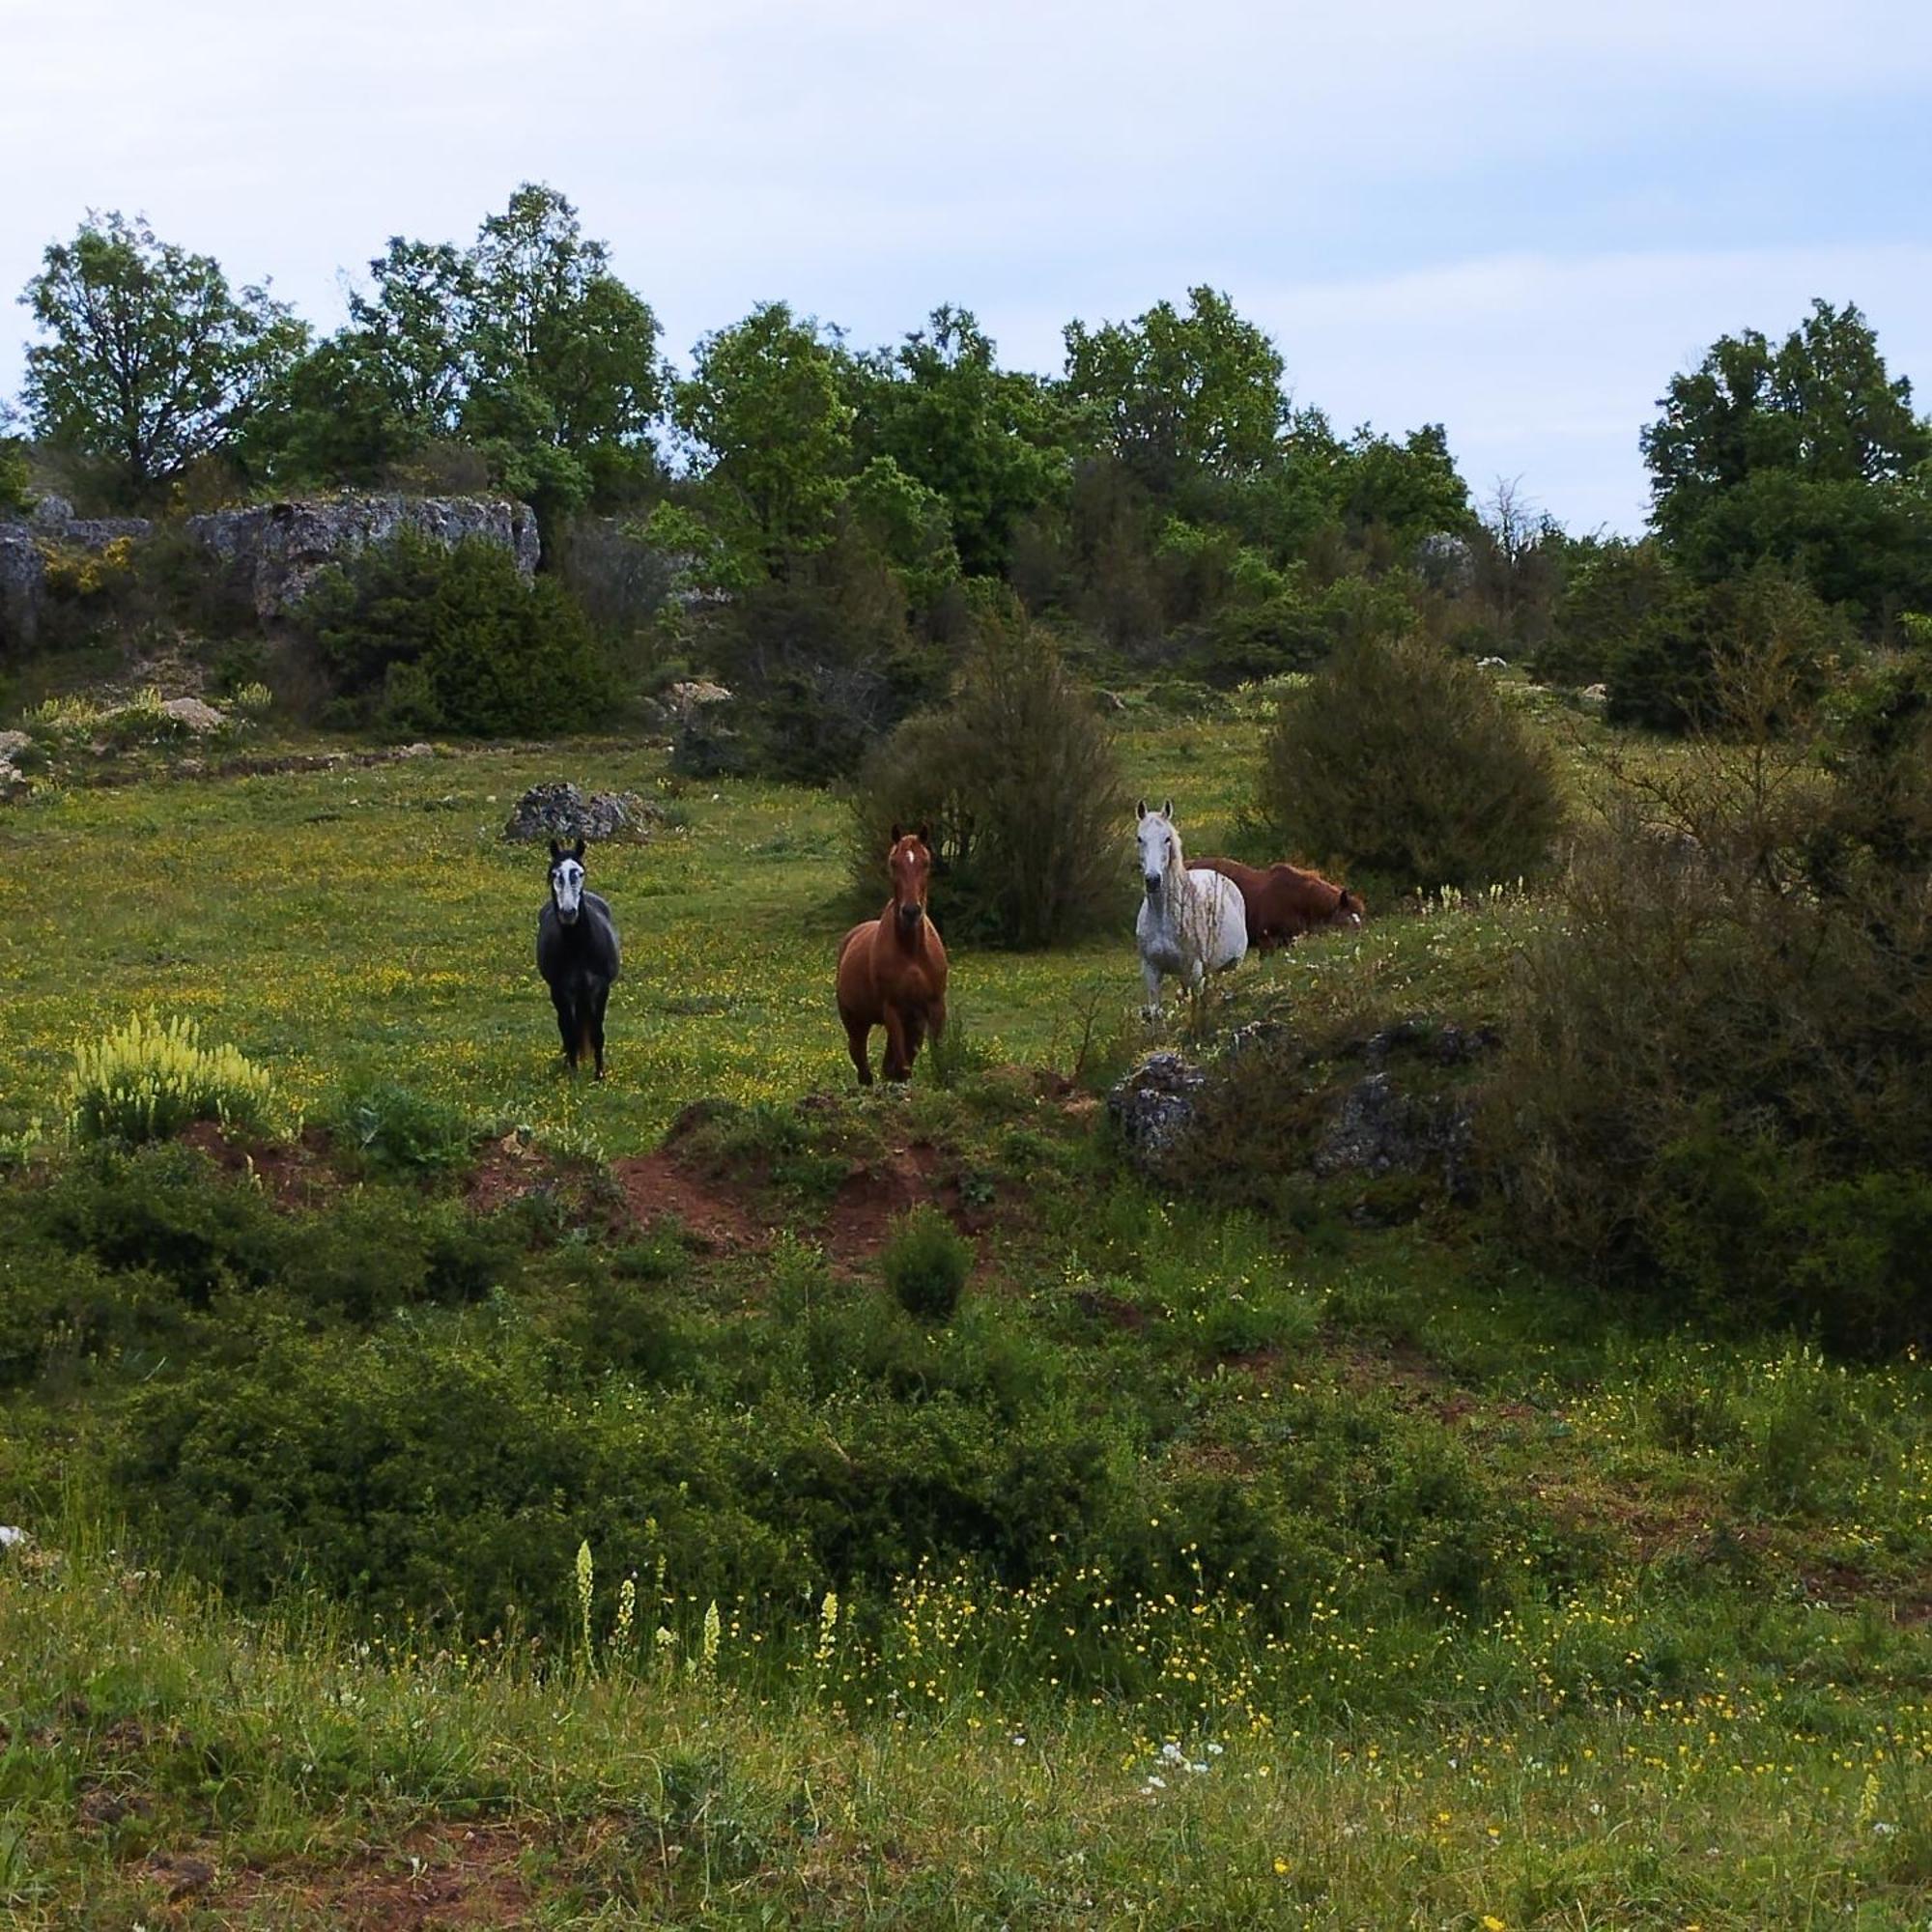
(1282, 902)
(891, 970)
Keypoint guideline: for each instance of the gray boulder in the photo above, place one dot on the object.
(560, 810)
(1375, 1128)
(1155, 1106)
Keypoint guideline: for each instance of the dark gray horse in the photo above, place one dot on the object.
(577, 953)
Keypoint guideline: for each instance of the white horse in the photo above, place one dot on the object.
(1191, 923)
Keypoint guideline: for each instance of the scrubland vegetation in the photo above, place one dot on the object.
(1478, 1475)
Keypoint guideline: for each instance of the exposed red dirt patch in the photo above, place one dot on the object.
(443, 1875)
(513, 1167)
(656, 1188)
(876, 1193)
(294, 1174)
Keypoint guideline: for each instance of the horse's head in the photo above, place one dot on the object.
(1160, 846)
(566, 880)
(910, 864)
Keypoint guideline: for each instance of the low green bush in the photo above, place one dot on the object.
(1019, 781)
(414, 637)
(1402, 766)
(925, 1263)
(398, 1130)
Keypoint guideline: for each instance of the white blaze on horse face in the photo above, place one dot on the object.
(566, 888)
(1156, 837)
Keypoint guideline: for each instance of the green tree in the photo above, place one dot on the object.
(1178, 395)
(1807, 454)
(766, 407)
(415, 330)
(1411, 489)
(152, 362)
(15, 495)
(554, 319)
(990, 441)
(331, 419)
(908, 524)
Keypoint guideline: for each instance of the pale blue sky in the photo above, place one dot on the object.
(1519, 219)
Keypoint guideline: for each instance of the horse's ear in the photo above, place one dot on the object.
(556, 851)
(577, 851)
(1167, 809)
(899, 832)
(1140, 807)
(924, 837)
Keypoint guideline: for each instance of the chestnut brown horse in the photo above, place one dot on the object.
(891, 970)
(1282, 902)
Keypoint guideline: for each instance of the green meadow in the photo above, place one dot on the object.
(427, 1535)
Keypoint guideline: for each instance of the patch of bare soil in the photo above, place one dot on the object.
(513, 1167)
(874, 1196)
(293, 1174)
(444, 1874)
(657, 1189)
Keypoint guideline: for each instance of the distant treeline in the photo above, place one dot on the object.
(838, 517)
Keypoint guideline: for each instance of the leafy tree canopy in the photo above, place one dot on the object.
(989, 440)
(150, 361)
(524, 346)
(417, 328)
(1178, 394)
(1806, 453)
(551, 316)
(766, 413)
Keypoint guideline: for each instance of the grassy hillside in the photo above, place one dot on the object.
(519, 1501)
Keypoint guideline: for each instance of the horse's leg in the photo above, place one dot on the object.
(566, 1031)
(857, 1034)
(898, 1066)
(1151, 975)
(599, 999)
(915, 1035)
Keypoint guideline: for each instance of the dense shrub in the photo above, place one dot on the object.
(925, 1265)
(1017, 779)
(149, 1079)
(1715, 1084)
(1401, 764)
(414, 637)
(823, 662)
(126, 1256)
(1665, 674)
(1609, 591)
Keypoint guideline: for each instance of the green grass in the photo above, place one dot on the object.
(170, 1765)
(371, 923)
(1479, 1601)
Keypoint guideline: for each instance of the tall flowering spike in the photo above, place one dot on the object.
(627, 1611)
(586, 1576)
(713, 1627)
